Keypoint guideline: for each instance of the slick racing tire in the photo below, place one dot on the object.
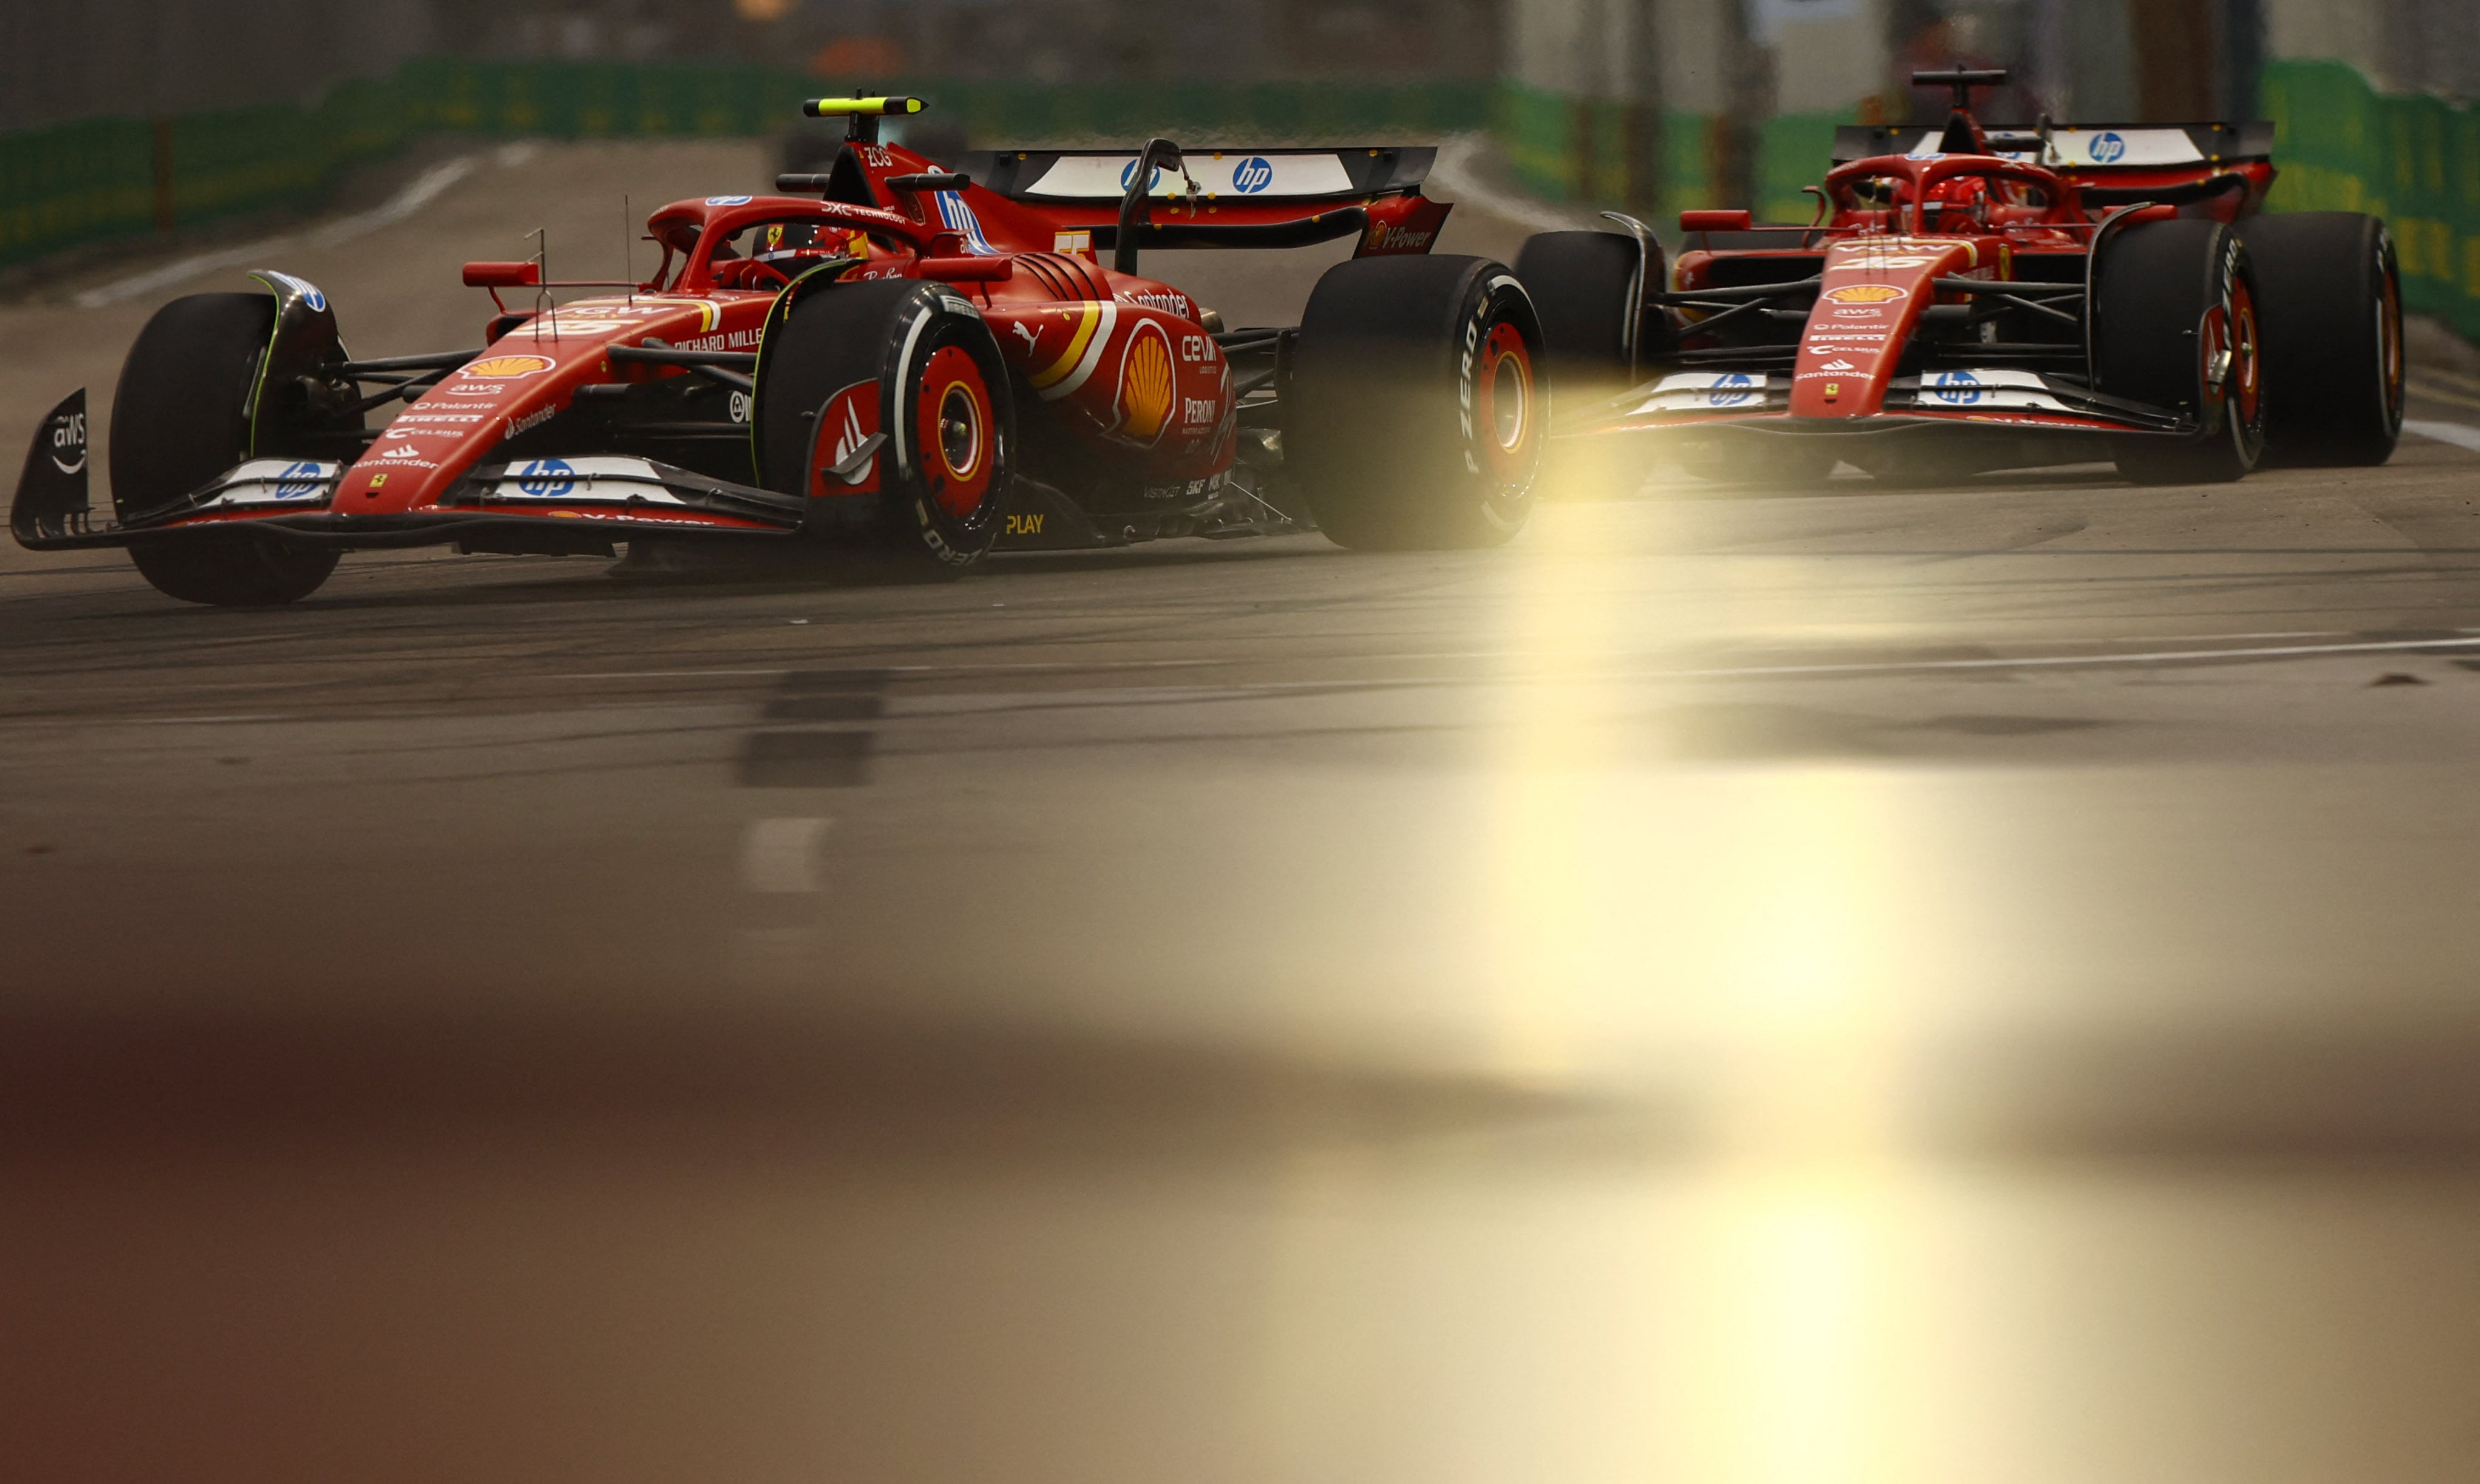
(1583, 286)
(912, 360)
(1418, 406)
(2175, 325)
(2331, 296)
(179, 418)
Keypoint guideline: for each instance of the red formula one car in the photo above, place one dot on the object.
(901, 360)
(1971, 299)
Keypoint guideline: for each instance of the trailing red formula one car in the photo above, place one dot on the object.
(903, 360)
(1971, 299)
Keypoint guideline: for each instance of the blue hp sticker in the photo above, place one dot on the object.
(1251, 175)
(1732, 390)
(546, 478)
(1128, 173)
(727, 200)
(1957, 389)
(301, 481)
(2108, 148)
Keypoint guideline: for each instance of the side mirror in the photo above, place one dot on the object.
(506, 275)
(1714, 221)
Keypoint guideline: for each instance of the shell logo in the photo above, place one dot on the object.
(1867, 294)
(1145, 384)
(500, 368)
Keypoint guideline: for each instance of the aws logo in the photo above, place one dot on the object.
(1147, 396)
(501, 368)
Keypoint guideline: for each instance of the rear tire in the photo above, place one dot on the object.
(1418, 409)
(2174, 298)
(2330, 295)
(924, 373)
(180, 417)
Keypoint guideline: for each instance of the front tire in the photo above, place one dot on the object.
(2331, 295)
(1583, 286)
(2175, 325)
(897, 358)
(1418, 406)
(180, 416)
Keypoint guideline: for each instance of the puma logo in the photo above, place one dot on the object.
(1031, 339)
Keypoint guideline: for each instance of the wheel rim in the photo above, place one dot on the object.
(2247, 371)
(955, 426)
(1505, 416)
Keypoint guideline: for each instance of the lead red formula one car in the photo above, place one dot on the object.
(1969, 300)
(900, 360)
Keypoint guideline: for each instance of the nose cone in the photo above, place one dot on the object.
(1871, 301)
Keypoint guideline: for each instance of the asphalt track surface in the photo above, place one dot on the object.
(1932, 985)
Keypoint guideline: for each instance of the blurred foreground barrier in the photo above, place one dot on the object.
(95, 179)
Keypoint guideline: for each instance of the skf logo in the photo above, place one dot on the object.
(504, 367)
(1024, 525)
(1146, 396)
(1867, 294)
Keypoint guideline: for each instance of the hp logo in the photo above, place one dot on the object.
(1251, 175)
(1732, 390)
(1957, 389)
(2108, 148)
(547, 477)
(1128, 174)
(299, 481)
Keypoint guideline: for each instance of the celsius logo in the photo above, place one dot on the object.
(1251, 175)
(301, 481)
(2108, 148)
(1957, 389)
(552, 477)
(1732, 390)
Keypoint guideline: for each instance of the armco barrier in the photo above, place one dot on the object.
(96, 179)
(2341, 145)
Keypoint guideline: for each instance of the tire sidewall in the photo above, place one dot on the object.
(1496, 473)
(913, 509)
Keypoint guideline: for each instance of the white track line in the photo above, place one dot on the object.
(2460, 434)
(1730, 671)
(419, 194)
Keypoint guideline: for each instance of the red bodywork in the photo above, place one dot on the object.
(1128, 364)
(1898, 235)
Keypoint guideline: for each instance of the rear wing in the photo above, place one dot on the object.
(1233, 176)
(2082, 147)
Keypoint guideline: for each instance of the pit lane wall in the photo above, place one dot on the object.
(93, 180)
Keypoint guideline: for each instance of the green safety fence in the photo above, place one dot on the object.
(68, 184)
(1576, 149)
(2341, 145)
(1583, 149)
